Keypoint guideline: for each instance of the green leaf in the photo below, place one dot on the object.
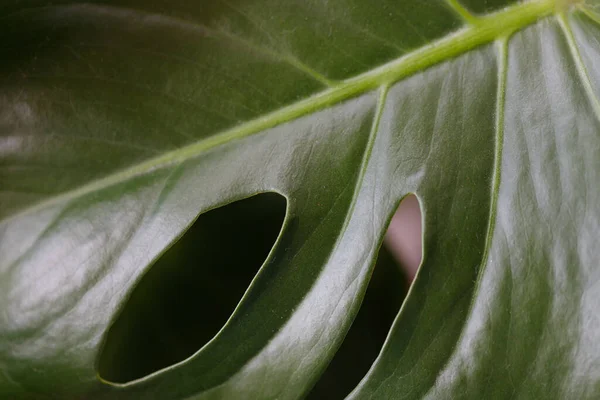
(122, 121)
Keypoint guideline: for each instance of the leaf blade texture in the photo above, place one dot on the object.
(121, 123)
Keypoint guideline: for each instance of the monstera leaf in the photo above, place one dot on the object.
(123, 123)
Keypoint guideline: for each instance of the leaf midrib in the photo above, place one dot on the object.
(487, 29)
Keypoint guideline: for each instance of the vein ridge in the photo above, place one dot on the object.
(462, 12)
(582, 72)
(502, 55)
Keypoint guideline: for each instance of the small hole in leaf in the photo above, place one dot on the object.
(189, 293)
(403, 237)
(397, 261)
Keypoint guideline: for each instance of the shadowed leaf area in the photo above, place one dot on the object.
(192, 289)
(387, 289)
(363, 342)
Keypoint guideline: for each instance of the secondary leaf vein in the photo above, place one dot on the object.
(579, 64)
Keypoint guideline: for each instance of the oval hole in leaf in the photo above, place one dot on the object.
(397, 262)
(192, 289)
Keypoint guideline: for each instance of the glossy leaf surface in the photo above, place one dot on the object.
(123, 121)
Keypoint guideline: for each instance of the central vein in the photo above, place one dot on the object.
(486, 29)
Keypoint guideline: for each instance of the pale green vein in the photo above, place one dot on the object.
(502, 55)
(462, 12)
(366, 158)
(502, 45)
(590, 14)
(383, 92)
(293, 61)
(488, 29)
(290, 60)
(579, 65)
(299, 65)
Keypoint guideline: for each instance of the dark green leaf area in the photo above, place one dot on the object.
(486, 6)
(190, 292)
(382, 301)
(135, 79)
